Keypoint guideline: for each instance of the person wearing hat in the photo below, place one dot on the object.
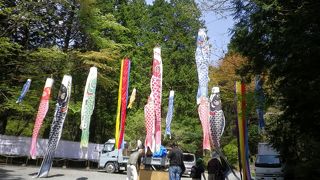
(198, 170)
(134, 162)
(215, 168)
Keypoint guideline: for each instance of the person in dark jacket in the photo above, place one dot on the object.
(198, 170)
(215, 169)
(176, 165)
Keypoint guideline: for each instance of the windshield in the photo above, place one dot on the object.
(268, 160)
(188, 157)
(108, 147)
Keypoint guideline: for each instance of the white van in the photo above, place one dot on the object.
(189, 160)
(268, 163)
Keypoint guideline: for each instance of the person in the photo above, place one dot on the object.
(176, 165)
(215, 170)
(134, 163)
(198, 170)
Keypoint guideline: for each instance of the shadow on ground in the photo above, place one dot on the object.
(51, 176)
(9, 175)
(82, 178)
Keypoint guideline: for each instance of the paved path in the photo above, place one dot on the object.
(9, 172)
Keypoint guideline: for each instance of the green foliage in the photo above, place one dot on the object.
(231, 152)
(135, 126)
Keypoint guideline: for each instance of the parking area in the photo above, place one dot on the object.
(13, 172)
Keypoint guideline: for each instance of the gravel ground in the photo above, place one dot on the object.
(11, 172)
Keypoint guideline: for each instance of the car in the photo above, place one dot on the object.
(189, 160)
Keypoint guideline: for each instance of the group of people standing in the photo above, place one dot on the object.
(177, 167)
(214, 167)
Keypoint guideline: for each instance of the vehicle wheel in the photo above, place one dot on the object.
(110, 167)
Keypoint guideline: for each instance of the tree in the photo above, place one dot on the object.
(281, 38)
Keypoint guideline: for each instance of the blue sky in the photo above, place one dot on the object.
(218, 32)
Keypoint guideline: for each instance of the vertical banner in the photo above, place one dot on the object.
(87, 108)
(243, 131)
(57, 125)
(118, 108)
(124, 99)
(24, 91)
(169, 114)
(156, 91)
(42, 111)
(217, 119)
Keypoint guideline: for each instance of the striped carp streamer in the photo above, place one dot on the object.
(217, 119)
(156, 88)
(132, 98)
(242, 130)
(42, 111)
(169, 114)
(202, 62)
(57, 125)
(260, 99)
(24, 91)
(87, 108)
(124, 99)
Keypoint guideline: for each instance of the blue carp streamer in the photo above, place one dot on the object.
(169, 114)
(260, 100)
(24, 91)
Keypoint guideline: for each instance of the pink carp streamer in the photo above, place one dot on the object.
(203, 111)
(124, 99)
(149, 116)
(156, 89)
(153, 107)
(42, 111)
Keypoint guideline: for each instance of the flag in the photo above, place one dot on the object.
(169, 114)
(42, 111)
(242, 130)
(24, 91)
(87, 108)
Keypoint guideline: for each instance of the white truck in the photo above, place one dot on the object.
(112, 159)
(268, 163)
(115, 160)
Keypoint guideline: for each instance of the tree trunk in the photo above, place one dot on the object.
(69, 28)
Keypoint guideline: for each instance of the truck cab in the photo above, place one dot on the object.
(268, 164)
(112, 159)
